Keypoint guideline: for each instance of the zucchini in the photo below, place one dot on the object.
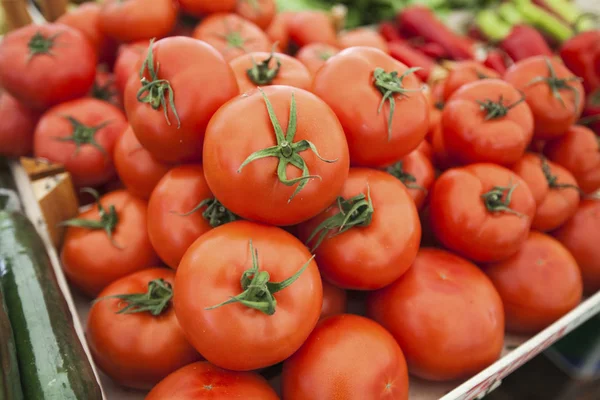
(52, 362)
(10, 383)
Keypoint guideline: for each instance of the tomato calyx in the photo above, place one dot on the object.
(257, 288)
(83, 134)
(40, 44)
(397, 170)
(355, 211)
(216, 214)
(262, 74)
(154, 90)
(497, 109)
(286, 150)
(324, 55)
(557, 84)
(552, 179)
(480, 75)
(390, 84)
(155, 300)
(233, 38)
(498, 199)
(104, 92)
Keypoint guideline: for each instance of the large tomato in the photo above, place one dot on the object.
(260, 12)
(362, 37)
(200, 8)
(306, 27)
(335, 300)
(44, 65)
(463, 72)
(538, 285)
(416, 172)
(481, 211)
(126, 64)
(314, 55)
(170, 106)
(261, 173)
(278, 31)
(370, 236)
(553, 93)
(445, 314)
(107, 242)
(257, 280)
(81, 135)
(384, 113)
(133, 332)
(346, 357)
(17, 127)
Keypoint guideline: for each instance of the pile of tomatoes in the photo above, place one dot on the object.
(272, 170)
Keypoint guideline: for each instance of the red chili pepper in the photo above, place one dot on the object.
(433, 50)
(389, 31)
(413, 58)
(581, 54)
(496, 60)
(524, 42)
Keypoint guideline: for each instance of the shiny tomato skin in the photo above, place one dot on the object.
(201, 82)
(200, 8)
(256, 192)
(357, 106)
(362, 37)
(216, 261)
(42, 80)
(462, 222)
(552, 117)
(203, 380)
(306, 27)
(538, 285)
(445, 314)
(91, 261)
(88, 166)
(17, 127)
(314, 55)
(137, 350)
(292, 72)
(463, 72)
(126, 64)
(418, 164)
(328, 365)
(371, 257)
(335, 300)
(260, 12)
(137, 169)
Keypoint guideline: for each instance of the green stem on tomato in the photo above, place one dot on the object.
(543, 20)
(498, 199)
(492, 26)
(215, 214)
(497, 109)
(553, 179)
(155, 300)
(557, 84)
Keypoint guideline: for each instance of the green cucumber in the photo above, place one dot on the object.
(10, 383)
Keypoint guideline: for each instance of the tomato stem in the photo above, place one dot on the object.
(155, 300)
(83, 134)
(216, 214)
(324, 55)
(498, 199)
(40, 44)
(557, 84)
(552, 179)
(397, 170)
(262, 74)
(104, 92)
(497, 109)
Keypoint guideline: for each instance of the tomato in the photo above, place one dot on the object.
(553, 93)
(128, 21)
(278, 30)
(426, 149)
(81, 135)
(126, 64)
(138, 341)
(169, 108)
(416, 172)
(105, 88)
(346, 357)
(199, 8)
(314, 55)
(44, 65)
(203, 380)
(376, 243)
(232, 35)
(17, 127)
(578, 54)
(580, 236)
(263, 69)
(487, 121)
(445, 314)
(275, 190)
(306, 27)
(335, 300)
(137, 169)
(482, 211)
(260, 12)
(107, 242)
(463, 72)
(382, 125)
(363, 37)
(579, 152)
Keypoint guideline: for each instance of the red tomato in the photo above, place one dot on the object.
(278, 30)
(232, 35)
(363, 37)
(376, 243)
(538, 285)
(381, 125)
(463, 72)
(127, 61)
(260, 12)
(427, 150)
(137, 169)
(199, 8)
(263, 69)
(81, 135)
(306, 27)
(44, 65)
(416, 172)
(169, 108)
(216, 262)
(579, 152)
(314, 55)
(107, 242)
(335, 300)
(17, 127)
(481, 211)
(553, 93)
(105, 88)
(578, 54)
(328, 365)
(274, 190)
(138, 341)
(202, 380)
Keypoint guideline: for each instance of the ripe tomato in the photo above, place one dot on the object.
(482, 211)
(107, 242)
(278, 31)
(579, 152)
(126, 64)
(285, 299)
(200, 8)
(578, 54)
(463, 72)
(363, 37)
(81, 135)
(259, 12)
(445, 314)
(335, 300)
(169, 108)
(306, 27)
(262, 69)
(384, 114)
(44, 65)
(580, 236)
(296, 181)
(370, 236)
(487, 121)
(553, 93)
(416, 172)
(427, 150)
(554, 189)
(314, 55)
(232, 35)
(538, 285)
(326, 366)
(203, 380)
(137, 169)
(133, 332)
(17, 127)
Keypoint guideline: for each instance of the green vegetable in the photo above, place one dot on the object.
(492, 27)
(10, 383)
(569, 12)
(543, 20)
(509, 13)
